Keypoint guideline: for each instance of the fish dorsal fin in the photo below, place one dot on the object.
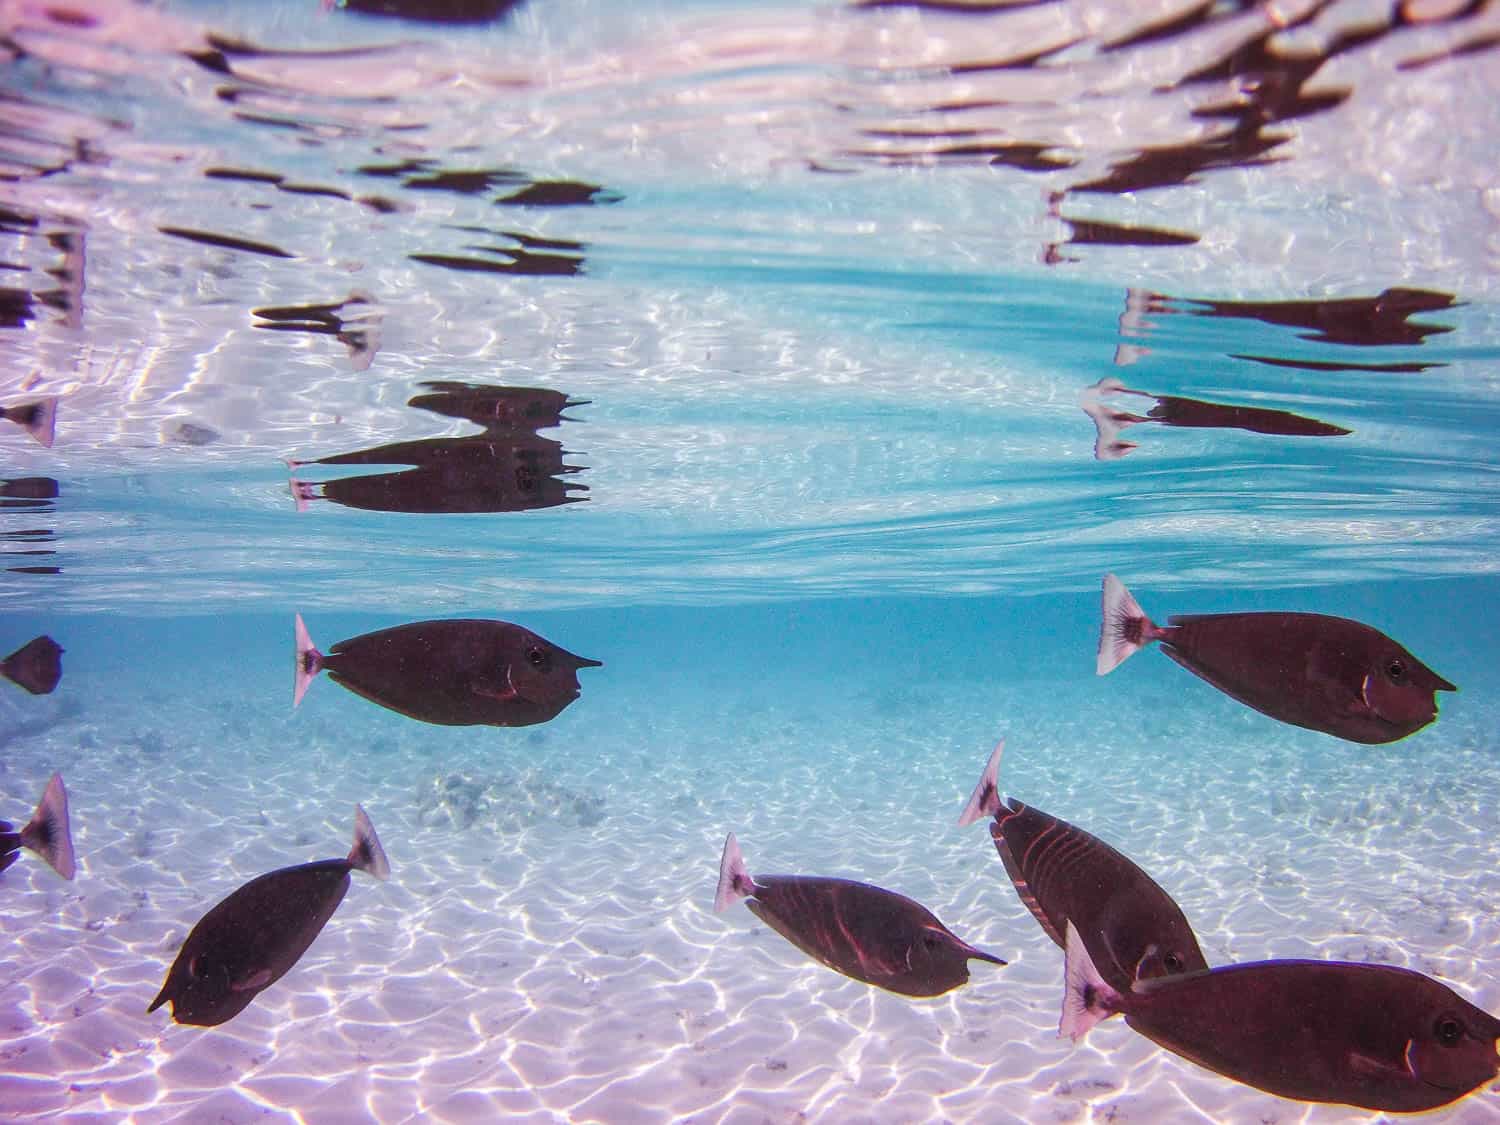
(985, 800)
(367, 855)
(1018, 877)
(49, 834)
(734, 877)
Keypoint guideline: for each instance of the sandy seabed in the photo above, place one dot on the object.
(546, 948)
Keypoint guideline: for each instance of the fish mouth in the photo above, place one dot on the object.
(585, 662)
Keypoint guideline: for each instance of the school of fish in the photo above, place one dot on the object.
(1362, 1034)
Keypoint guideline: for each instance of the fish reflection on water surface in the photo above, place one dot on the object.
(507, 468)
(1174, 410)
(39, 419)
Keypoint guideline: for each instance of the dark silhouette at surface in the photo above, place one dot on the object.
(506, 468)
(354, 322)
(1190, 413)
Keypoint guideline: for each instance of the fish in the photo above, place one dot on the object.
(39, 418)
(865, 932)
(1133, 928)
(1324, 673)
(36, 665)
(1354, 1033)
(519, 471)
(249, 940)
(453, 672)
(48, 833)
(1173, 410)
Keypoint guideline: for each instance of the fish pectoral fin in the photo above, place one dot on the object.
(256, 980)
(1372, 1067)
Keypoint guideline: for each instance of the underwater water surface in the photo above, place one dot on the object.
(801, 368)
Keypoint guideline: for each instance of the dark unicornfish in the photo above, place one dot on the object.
(247, 942)
(455, 673)
(47, 833)
(1375, 1036)
(864, 932)
(36, 665)
(1172, 410)
(1062, 874)
(1324, 673)
(39, 419)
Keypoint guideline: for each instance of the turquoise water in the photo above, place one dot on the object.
(826, 287)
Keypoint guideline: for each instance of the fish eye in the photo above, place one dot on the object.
(192, 967)
(930, 940)
(536, 657)
(1448, 1030)
(1172, 962)
(1396, 671)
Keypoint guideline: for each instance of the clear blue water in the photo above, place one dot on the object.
(821, 283)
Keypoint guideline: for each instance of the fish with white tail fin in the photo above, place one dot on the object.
(458, 672)
(48, 833)
(247, 942)
(1325, 673)
(865, 932)
(39, 418)
(1065, 876)
(1352, 1033)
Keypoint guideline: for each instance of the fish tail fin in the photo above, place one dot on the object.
(48, 833)
(309, 662)
(985, 800)
(1108, 445)
(39, 419)
(1087, 998)
(1124, 628)
(734, 877)
(302, 492)
(367, 855)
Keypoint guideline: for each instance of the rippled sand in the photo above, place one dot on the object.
(546, 948)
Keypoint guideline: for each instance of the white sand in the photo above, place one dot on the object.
(559, 971)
